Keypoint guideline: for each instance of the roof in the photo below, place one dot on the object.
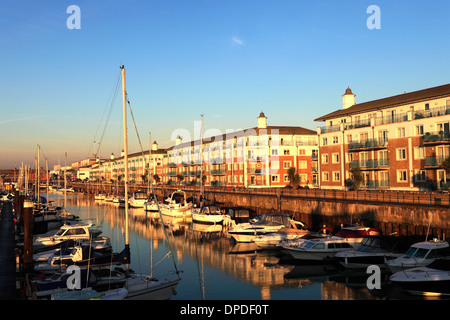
(405, 98)
(255, 131)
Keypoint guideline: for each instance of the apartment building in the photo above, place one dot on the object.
(398, 142)
(256, 157)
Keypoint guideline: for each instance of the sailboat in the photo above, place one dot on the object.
(141, 286)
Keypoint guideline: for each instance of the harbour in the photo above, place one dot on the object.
(214, 267)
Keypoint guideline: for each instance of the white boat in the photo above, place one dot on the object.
(207, 214)
(297, 230)
(373, 250)
(432, 280)
(119, 200)
(236, 215)
(317, 249)
(99, 196)
(177, 206)
(91, 294)
(268, 223)
(420, 254)
(151, 205)
(138, 199)
(347, 238)
(109, 198)
(73, 231)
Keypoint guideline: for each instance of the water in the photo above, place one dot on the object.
(214, 268)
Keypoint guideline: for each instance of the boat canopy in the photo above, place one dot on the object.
(273, 219)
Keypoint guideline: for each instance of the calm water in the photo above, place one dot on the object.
(214, 268)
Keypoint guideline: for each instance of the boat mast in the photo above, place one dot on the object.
(65, 181)
(38, 182)
(125, 143)
(201, 162)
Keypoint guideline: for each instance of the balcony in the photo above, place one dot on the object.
(368, 144)
(436, 138)
(370, 164)
(217, 172)
(435, 162)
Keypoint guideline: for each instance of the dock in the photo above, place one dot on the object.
(8, 290)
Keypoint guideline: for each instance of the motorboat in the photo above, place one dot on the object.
(118, 200)
(420, 254)
(269, 223)
(138, 199)
(373, 250)
(100, 196)
(207, 214)
(83, 255)
(297, 230)
(237, 215)
(151, 205)
(177, 206)
(430, 280)
(317, 249)
(69, 231)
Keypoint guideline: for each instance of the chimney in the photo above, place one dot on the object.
(122, 154)
(178, 140)
(262, 121)
(154, 146)
(348, 98)
(111, 156)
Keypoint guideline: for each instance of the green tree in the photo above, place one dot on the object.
(180, 178)
(357, 176)
(156, 178)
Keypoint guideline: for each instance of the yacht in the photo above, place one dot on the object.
(373, 250)
(420, 254)
(207, 214)
(138, 199)
(268, 223)
(177, 206)
(317, 249)
(297, 230)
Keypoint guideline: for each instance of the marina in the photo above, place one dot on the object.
(215, 267)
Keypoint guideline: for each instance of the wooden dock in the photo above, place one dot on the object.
(8, 290)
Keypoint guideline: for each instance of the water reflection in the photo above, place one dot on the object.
(214, 267)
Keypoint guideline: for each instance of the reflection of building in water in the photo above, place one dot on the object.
(260, 269)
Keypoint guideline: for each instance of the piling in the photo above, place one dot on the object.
(28, 236)
(7, 257)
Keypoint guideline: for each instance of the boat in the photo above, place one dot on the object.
(91, 294)
(430, 280)
(176, 206)
(142, 286)
(82, 256)
(138, 199)
(237, 215)
(297, 230)
(119, 200)
(373, 250)
(70, 231)
(324, 248)
(269, 223)
(151, 205)
(207, 214)
(317, 249)
(100, 196)
(420, 254)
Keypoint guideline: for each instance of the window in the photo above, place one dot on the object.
(325, 141)
(419, 130)
(302, 164)
(301, 152)
(325, 158)
(401, 176)
(420, 176)
(275, 178)
(336, 176)
(335, 157)
(350, 157)
(419, 152)
(427, 106)
(275, 165)
(325, 176)
(401, 132)
(401, 154)
(286, 164)
(286, 178)
(274, 152)
(286, 152)
(349, 138)
(335, 139)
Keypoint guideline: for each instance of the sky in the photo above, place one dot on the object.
(228, 60)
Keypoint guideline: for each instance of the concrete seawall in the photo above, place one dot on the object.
(404, 214)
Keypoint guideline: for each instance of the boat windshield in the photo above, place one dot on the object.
(60, 232)
(273, 220)
(418, 253)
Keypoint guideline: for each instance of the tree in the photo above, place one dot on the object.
(294, 177)
(156, 178)
(446, 165)
(180, 178)
(357, 176)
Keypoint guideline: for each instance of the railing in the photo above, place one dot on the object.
(217, 171)
(368, 144)
(431, 137)
(434, 161)
(370, 164)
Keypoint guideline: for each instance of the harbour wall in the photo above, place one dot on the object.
(391, 213)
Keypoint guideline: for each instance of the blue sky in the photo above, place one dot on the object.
(229, 60)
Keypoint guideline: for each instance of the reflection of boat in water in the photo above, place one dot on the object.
(244, 248)
(204, 228)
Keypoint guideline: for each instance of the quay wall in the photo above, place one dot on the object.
(400, 214)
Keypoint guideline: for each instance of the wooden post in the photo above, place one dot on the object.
(28, 236)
